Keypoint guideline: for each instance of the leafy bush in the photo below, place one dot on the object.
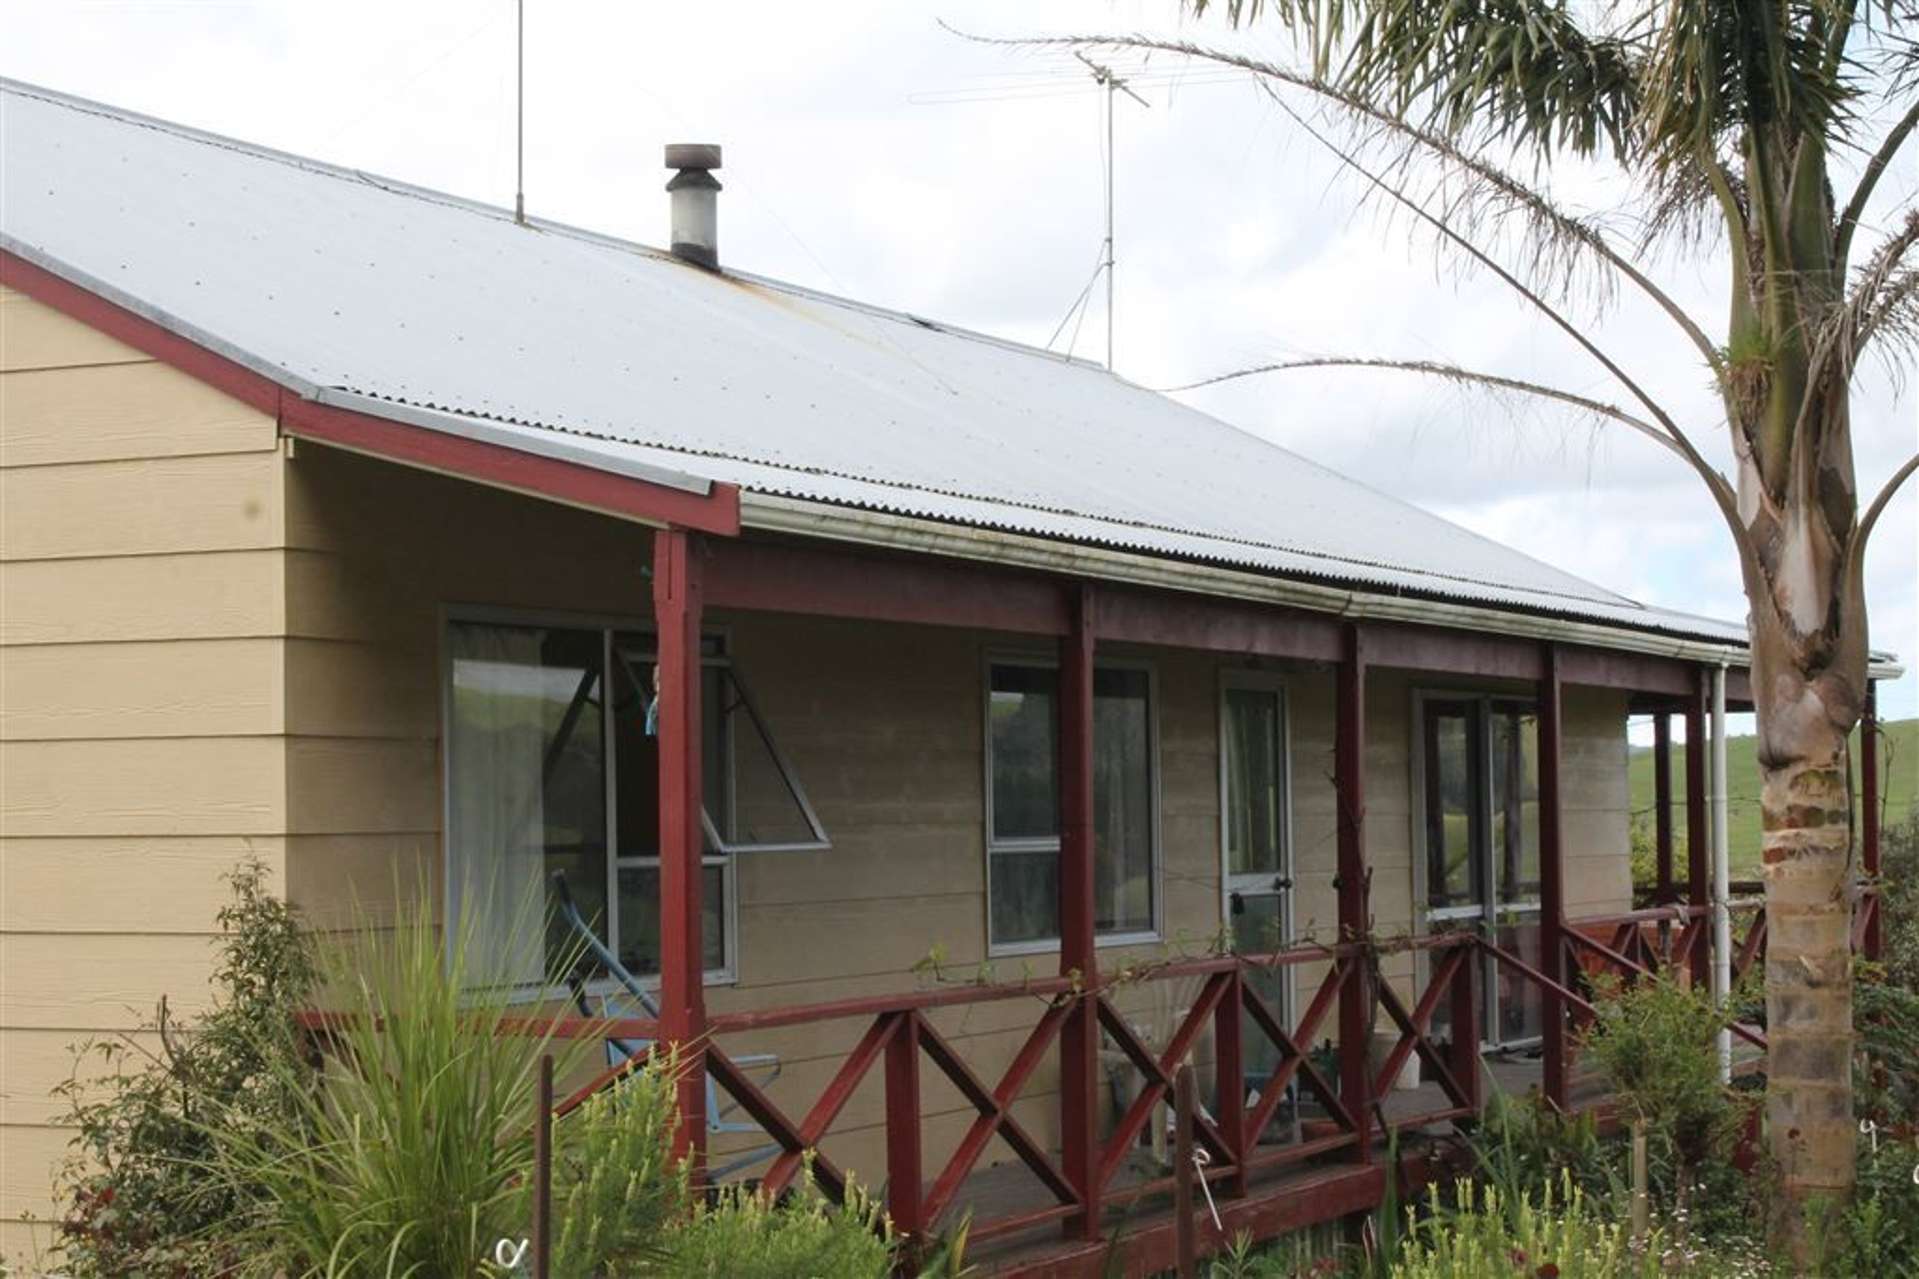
(1556, 1233)
(408, 1152)
(138, 1198)
(1899, 900)
(1657, 1043)
(741, 1236)
(616, 1188)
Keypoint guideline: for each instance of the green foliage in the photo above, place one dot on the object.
(1877, 1234)
(616, 1188)
(1899, 897)
(1886, 1067)
(1522, 1146)
(137, 1199)
(741, 1236)
(1554, 1232)
(407, 1153)
(1657, 1044)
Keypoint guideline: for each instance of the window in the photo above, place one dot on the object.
(1022, 747)
(552, 767)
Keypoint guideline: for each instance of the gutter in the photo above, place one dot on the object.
(797, 516)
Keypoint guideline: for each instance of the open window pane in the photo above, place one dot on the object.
(526, 787)
(1023, 726)
(1122, 802)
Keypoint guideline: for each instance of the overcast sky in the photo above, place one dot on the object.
(871, 152)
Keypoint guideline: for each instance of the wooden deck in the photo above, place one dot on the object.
(1278, 1201)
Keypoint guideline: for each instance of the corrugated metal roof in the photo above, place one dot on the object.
(338, 283)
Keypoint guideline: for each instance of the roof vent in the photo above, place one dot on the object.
(696, 202)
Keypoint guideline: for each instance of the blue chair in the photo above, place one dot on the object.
(629, 998)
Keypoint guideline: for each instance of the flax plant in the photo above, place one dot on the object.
(409, 1152)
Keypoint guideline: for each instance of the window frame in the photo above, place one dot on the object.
(609, 625)
(993, 847)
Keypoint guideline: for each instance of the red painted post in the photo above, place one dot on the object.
(1869, 815)
(904, 1185)
(1698, 852)
(1349, 782)
(1662, 804)
(676, 612)
(1229, 1079)
(1079, 1038)
(1552, 884)
(1465, 1018)
(543, 1170)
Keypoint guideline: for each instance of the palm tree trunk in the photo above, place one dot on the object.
(1809, 888)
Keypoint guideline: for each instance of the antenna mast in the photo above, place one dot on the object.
(1112, 83)
(519, 116)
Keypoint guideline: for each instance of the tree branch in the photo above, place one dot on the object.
(1856, 206)
(1453, 373)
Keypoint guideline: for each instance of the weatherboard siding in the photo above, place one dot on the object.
(142, 704)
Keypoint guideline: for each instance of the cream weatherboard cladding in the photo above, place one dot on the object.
(142, 705)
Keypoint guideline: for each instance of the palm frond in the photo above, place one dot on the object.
(1473, 378)
(1517, 71)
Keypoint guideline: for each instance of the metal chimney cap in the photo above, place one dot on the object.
(692, 155)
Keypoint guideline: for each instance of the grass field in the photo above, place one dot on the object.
(1899, 771)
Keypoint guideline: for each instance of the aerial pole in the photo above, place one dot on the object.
(519, 114)
(1107, 79)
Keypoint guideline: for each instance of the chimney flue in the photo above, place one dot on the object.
(696, 212)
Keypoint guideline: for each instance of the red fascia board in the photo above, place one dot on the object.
(716, 511)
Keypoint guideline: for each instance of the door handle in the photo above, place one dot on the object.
(1237, 902)
(1283, 883)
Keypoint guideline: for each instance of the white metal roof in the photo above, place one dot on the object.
(352, 288)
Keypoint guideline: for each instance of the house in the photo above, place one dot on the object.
(361, 529)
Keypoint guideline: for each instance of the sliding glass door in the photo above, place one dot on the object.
(1480, 765)
(1258, 871)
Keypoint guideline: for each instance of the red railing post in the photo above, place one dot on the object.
(1079, 1038)
(677, 615)
(1552, 883)
(1229, 1078)
(904, 1185)
(1662, 803)
(1869, 817)
(1698, 851)
(1465, 1026)
(1349, 782)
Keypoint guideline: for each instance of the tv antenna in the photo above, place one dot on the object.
(1111, 81)
(519, 113)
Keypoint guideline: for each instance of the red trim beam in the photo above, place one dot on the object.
(407, 444)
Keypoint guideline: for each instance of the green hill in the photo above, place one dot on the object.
(1899, 773)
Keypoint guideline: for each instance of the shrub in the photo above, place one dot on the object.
(741, 1236)
(409, 1150)
(1877, 1234)
(137, 1199)
(1899, 900)
(1657, 1043)
(1556, 1233)
(616, 1188)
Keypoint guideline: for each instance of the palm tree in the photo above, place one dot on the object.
(1719, 118)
